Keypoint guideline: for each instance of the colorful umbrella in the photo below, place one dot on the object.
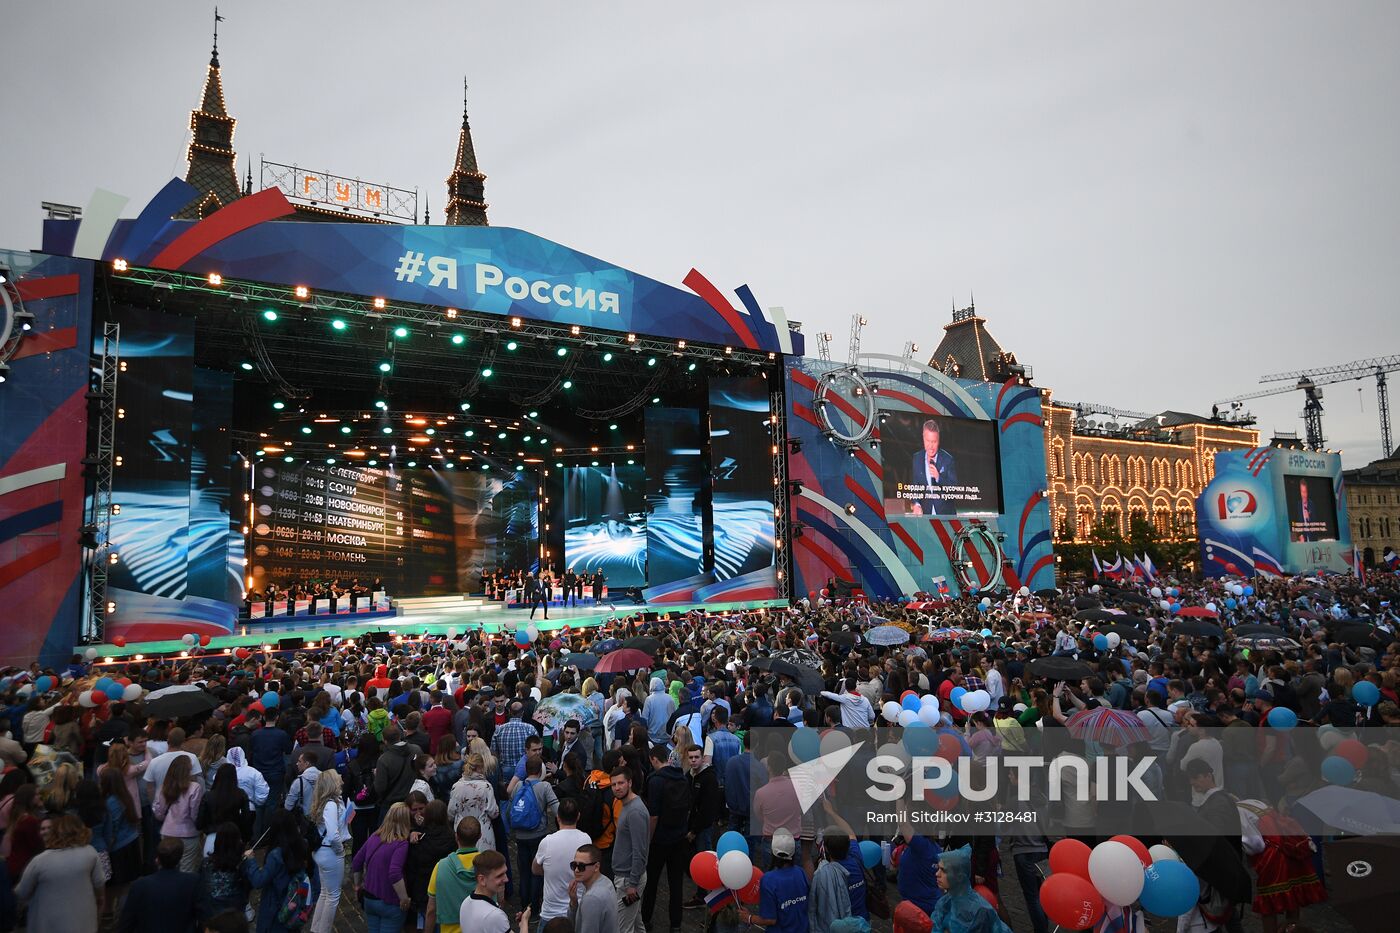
(887, 635)
(554, 711)
(800, 656)
(1197, 612)
(623, 659)
(606, 645)
(1112, 727)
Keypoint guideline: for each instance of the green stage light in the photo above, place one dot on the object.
(413, 463)
(247, 367)
(595, 462)
(385, 367)
(607, 357)
(381, 405)
(544, 440)
(501, 436)
(559, 464)
(465, 406)
(430, 432)
(512, 345)
(631, 462)
(562, 351)
(486, 466)
(691, 367)
(287, 459)
(449, 464)
(270, 314)
(330, 460)
(345, 429)
(469, 433)
(527, 438)
(260, 453)
(400, 332)
(612, 427)
(534, 414)
(656, 400)
(519, 467)
(305, 429)
(374, 463)
(568, 383)
(458, 339)
(486, 373)
(651, 361)
(338, 324)
(279, 404)
(387, 430)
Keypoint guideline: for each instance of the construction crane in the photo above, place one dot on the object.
(1310, 382)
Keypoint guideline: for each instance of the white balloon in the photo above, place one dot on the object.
(452, 632)
(1095, 588)
(1237, 590)
(90, 654)
(1114, 640)
(976, 701)
(189, 640)
(735, 870)
(85, 698)
(131, 693)
(986, 601)
(1166, 606)
(891, 711)
(1116, 872)
(533, 632)
(929, 716)
(907, 717)
(1156, 592)
(1024, 591)
(1329, 740)
(1162, 853)
(834, 741)
(928, 699)
(1211, 607)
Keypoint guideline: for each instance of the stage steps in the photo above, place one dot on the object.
(461, 602)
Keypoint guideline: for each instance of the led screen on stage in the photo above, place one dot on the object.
(605, 523)
(675, 496)
(741, 470)
(1312, 508)
(935, 465)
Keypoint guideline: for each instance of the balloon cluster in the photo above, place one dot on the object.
(728, 865)
(1119, 872)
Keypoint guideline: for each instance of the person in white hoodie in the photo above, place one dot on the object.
(249, 778)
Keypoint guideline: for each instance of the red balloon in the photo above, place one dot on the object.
(1070, 857)
(242, 654)
(1354, 751)
(1070, 901)
(99, 698)
(812, 595)
(124, 681)
(824, 592)
(1138, 848)
(908, 918)
(748, 894)
(949, 748)
(704, 871)
(987, 895)
(119, 641)
(907, 693)
(204, 641)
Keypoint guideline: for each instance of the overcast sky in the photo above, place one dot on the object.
(1154, 204)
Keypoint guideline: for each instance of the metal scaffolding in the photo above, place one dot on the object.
(97, 529)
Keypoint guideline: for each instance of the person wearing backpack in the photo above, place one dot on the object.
(669, 799)
(453, 880)
(532, 807)
(288, 879)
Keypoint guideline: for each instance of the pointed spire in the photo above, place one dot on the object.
(466, 186)
(213, 168)
(426, 219)
(248, 179)
(214, 58)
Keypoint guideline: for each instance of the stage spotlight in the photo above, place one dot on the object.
(330, 460)
(631, 338)
(559, 464)
(215, 279)
(651, 361)
(381, 404)
(512, 345)
(656, 400)
(379, 304)
(246, 366)
(595, 462)
(469, 433)
(612, 427)
(501, 436)
(795, 444)
(384, 367)
(486, 466)
(562, 351)
(270, 315)
(374, 463)
(451, 313)
(345, 429)
(728, 351)
(533, 414)
(413, 463)
(287, 459)
(119, 265)
(459, 339)
(465, 406)
(401, 332)
(850, 508)
(631, 462)
(568, 383)
(575, 330)
(450, 464)
(302, 292)
(279, 404)
(387, 430)
(795, 487)
(691, 367)
(607, 357)
(430, 431)
(874, 443)
(515, 322)
(305, 429)
(338, 324)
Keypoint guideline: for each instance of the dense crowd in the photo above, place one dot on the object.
(499, 782)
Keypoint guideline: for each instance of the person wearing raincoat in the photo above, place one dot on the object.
(961, 909)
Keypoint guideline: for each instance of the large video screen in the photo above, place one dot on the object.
(677, 495)
(605, 523)
(741, 470)
(1312, 508)
(939, 466)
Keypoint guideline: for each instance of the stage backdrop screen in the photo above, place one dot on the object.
(939, 466)
(741, 470)
(676, 496)
(605, 523)
(1312, 508)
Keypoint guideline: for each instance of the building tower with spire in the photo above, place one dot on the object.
(212, 160)
(466, 186)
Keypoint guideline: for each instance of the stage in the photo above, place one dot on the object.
(313, 630)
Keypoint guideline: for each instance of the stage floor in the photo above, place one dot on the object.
(429, 622)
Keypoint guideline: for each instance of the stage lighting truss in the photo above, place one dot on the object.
(363, 308)
(976, 535)
(97, 527)
(776, 406)
(15, 322)
(634, 403)
(850, 384)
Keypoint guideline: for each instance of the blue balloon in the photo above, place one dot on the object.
(1101, 642)
(982, 608)
(920, 740)
(1281, 717)
(1173, 592)
(972, 590)
(1230, 603)
(114, 691)
(522, 638)
(806, 744)
(1169, 889)
(986, 633)
(1366, 693)
(1176, 607)
(911, 702)
(731, 842)
(103, 683)
(1337, 770)
(270, 700)
(43, 684)
(869, 853)
(1249, 591)
(955, 697)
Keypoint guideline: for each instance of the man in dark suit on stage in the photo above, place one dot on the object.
(933, 466)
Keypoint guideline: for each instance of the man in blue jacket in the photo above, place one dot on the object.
(932, 467)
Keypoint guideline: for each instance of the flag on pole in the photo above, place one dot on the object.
(718, 899)
(1148, 571)
(1098, 568)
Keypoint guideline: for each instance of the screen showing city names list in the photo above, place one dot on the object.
(341, 521)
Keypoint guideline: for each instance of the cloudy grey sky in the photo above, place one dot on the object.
(1154, 204)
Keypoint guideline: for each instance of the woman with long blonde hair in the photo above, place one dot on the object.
(489, 765)
(58, 795)
(473, 795)
(212, 755)
(328, 815)
(119, 760)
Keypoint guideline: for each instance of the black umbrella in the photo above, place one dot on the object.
(1124, 631)
(583, 660)
(1197, 629)
(644, 643)
(1363, 874)
(1059, 668)
(844, 639)
(1361, 636)
(178, 703)
(1098, 615)
(1048, 593)
(1137, 598)
(1259, 629)
(1087, 602)
(809, 680)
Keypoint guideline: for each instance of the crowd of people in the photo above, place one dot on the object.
(490, 782)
